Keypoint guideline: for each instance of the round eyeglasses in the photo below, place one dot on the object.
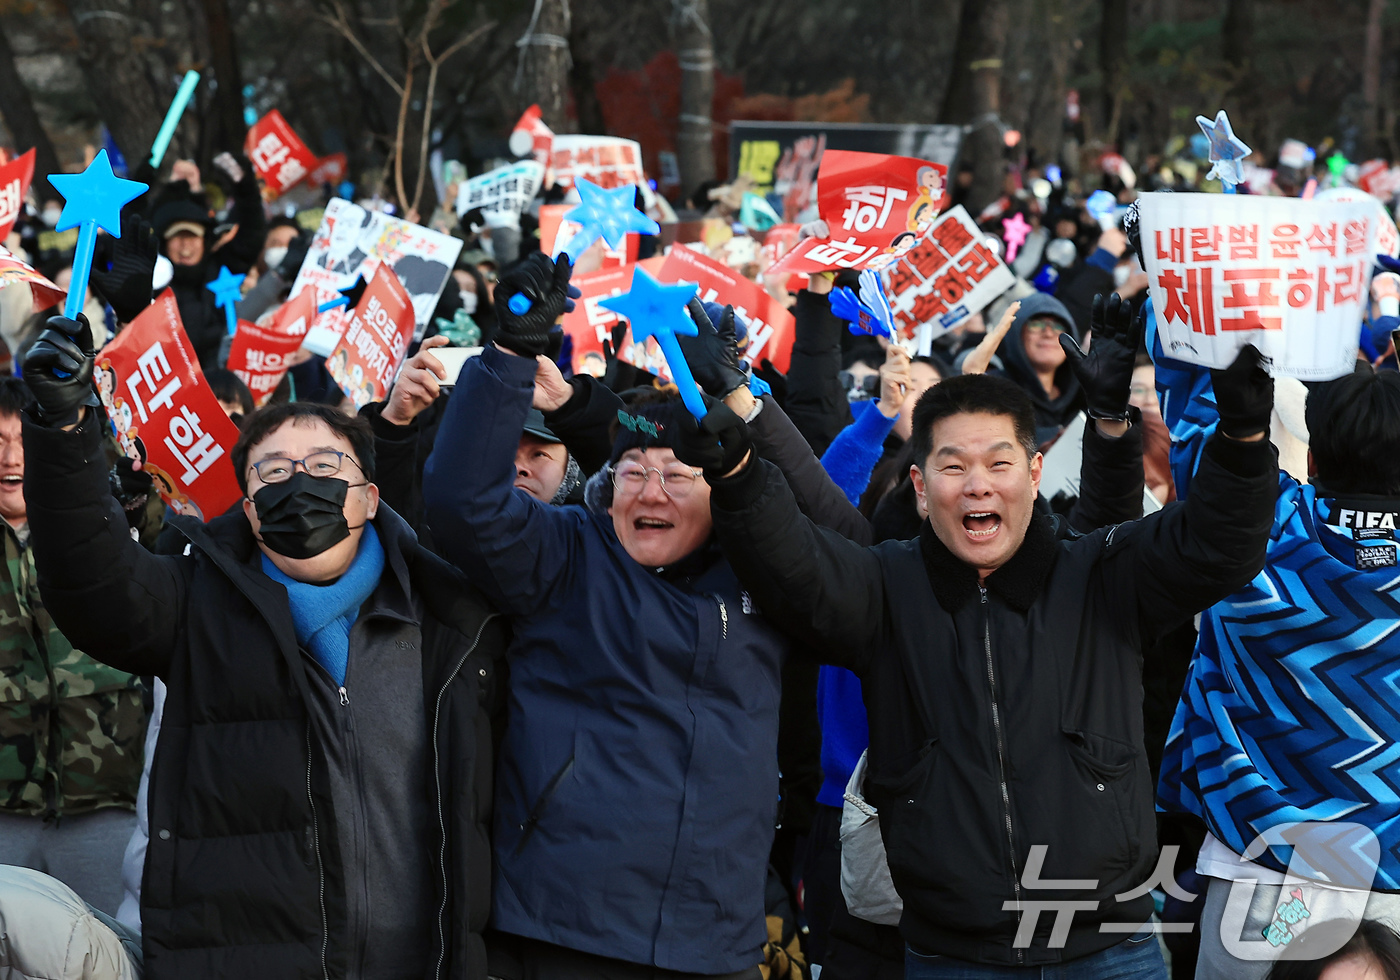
(629, 479)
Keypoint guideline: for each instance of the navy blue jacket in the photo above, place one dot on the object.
(638, 779)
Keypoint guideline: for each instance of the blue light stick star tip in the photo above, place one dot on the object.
(92, 199)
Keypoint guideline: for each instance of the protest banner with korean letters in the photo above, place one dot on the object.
(589, 324)
(368, 355)
(158, 401)
(608, 161)
(771, 325)
(352, 242)
(14, 183)
(260, 351)
(876, 206)
(1287, 275)
(506, 189)
(950, 275)
(279, 156)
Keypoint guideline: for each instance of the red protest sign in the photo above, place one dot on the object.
(608, 161)
(368, 353)
(259, 353)
(14, 182)
(531, 137)
(278, 154)
(877, 206)
(589, 324)
(330, 170)
(12, 270)
(158, 400)
(771, 326)
(950, 275)
(596, 256)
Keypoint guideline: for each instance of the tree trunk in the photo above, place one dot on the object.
(1238, 34)
(543, 73)
(1371, 80)
(110, 33)
(695, 48)
(23, 122)
(974, 94)
(228, 95)
(1113, 50)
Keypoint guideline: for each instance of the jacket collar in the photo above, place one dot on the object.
(1018, 582)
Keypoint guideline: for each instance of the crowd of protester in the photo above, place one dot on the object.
(528, 674)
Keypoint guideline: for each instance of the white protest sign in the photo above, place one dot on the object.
(352, 242)
(946, 277)
(1287, 275)
(509, 188)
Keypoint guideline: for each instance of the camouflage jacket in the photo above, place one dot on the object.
(71, 729)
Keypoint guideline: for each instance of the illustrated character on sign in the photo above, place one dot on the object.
(178, 500)
(898, 248)
(924, 210)
(344, 253)
(337, 363)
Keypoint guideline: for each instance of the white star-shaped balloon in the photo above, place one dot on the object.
(1227, 152)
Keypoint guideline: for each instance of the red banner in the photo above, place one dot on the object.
(331, 170)
(158, 400)
(368, 354)
(278, 154)
(590, 323)
(552, 223)
(876, 206)
(14, 182)
(531, 137)
(259, 353)
(771, 326)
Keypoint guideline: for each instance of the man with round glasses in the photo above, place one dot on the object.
(320, 796)
(638, 777)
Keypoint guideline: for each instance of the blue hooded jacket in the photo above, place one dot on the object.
(637, 783)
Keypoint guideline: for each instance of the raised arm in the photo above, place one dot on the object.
(1193, 553)
(110, 597)
(512, 547)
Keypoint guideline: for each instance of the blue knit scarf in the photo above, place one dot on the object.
(323, 614)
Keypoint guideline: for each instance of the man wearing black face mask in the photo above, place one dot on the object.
(320, 797)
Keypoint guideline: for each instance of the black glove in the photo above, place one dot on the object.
(1106, 372)
(717, 445)
(132, 488)
(296, 255)
(1244, 395)
(713, 354)
(775, 379)
(126, 285)
(354, 293)
(58, 370)
(546, 286)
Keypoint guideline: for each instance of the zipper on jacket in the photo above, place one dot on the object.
(1001, 754)
(437, 781)
(344, 698)
(723, 618)
(320, 868)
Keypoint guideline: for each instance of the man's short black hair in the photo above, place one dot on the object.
(972, 393)
(1354, 433)
(229, 387)
(15, 396)
(265, 421)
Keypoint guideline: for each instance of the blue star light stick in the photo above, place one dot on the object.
(172, 117)
(348, 296)
(608, 215)
(658, 311)
(1227, 153)
(227, 290)
(92, 199)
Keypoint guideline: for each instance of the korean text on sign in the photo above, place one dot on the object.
(278, 154)
(1289, 276)
(948, 276)
(159, 402)
(368, 355)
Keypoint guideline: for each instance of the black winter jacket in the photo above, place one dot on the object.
(1006, 721)
(243, 877)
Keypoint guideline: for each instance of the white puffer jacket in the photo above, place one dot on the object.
(48, 933)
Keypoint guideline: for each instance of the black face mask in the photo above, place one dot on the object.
(304, 516)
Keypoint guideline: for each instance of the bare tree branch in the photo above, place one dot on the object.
(341, 25)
